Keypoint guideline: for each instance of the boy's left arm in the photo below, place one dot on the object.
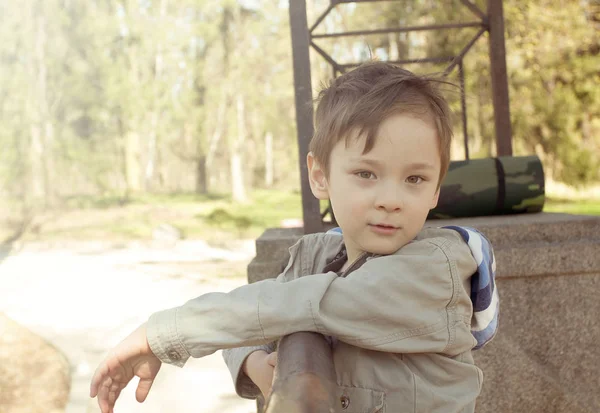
(416, 300)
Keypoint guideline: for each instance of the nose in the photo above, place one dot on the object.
(389, 198)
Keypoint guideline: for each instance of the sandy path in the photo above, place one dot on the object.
(85, 298)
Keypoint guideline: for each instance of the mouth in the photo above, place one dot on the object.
(384, 226)
(384, 229)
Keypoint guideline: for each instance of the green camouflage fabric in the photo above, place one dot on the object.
(491, 186)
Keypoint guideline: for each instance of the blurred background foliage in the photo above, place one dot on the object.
(123, 100)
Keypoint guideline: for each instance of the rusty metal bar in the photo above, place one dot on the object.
(325, 56)
(476, 10)
(399, 30)
(322, 16)
(499, 79)
(304, 377)
(311, 212)
(464, 51)
(360, 1)
(463, 105)
(407, 61)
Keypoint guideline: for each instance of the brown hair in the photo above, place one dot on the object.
(366, 96)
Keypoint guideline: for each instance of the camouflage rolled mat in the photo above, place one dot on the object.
(491, 186)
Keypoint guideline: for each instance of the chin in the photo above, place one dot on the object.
(387, 249)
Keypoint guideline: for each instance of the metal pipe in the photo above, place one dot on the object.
(399, 30)
(408, 61)
(322, 16)
(463, 52)
(304, 377)
(463, 105)
(476, 10)
(499, 79)
(325, 56)
(311, 211)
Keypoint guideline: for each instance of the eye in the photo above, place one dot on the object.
(414, 179)
(365, 175)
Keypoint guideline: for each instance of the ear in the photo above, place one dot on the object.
(435, 199)
(317, 178)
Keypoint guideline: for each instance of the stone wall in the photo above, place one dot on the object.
(545, 357)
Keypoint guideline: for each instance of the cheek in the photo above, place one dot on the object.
(348, 205)
(359, 206)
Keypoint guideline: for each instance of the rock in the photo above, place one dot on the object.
(35, 377)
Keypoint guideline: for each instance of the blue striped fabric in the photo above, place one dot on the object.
(484, 296)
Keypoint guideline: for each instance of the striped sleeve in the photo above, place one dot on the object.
(484, 295)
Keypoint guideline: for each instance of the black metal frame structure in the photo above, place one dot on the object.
(303, 37)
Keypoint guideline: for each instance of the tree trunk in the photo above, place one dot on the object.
(151, 163)
(201, 178)
(49, 165)
(36, 155)
(238, 188)
(152, 148)
(40, 124)
(215, 137)
(269, 160)
(132, 162)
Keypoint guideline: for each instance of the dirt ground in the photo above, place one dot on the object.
(84, 297)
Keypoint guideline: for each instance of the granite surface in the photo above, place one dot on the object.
(545, 357)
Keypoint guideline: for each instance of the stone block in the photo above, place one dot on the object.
(259, 270)
(545, 356)
(274, 243)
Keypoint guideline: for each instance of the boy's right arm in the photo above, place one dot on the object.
(236, 359)
(415, 300)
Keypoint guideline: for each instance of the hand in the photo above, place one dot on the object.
(260, 368)
(132, 357)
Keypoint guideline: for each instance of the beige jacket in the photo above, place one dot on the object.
(401, 323)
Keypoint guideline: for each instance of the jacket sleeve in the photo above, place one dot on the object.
(412, 301)
(235, 357)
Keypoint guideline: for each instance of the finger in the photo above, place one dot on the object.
(108, 394)
(118, 393)
(272, 359)
(113, 394)
(99, 376)
(103, 397)
(143, 389)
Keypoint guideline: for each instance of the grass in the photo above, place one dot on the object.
(211, 217)
(214, 218)
(591, 207)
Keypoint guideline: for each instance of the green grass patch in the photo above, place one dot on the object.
(566, 206)
(265, 209)
(114, 200)
(212, 217)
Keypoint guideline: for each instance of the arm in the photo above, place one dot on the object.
(412, 301)
(235, 359)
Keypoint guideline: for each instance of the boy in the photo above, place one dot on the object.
(395, 299)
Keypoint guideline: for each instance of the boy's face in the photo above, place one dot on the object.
(381, 199)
